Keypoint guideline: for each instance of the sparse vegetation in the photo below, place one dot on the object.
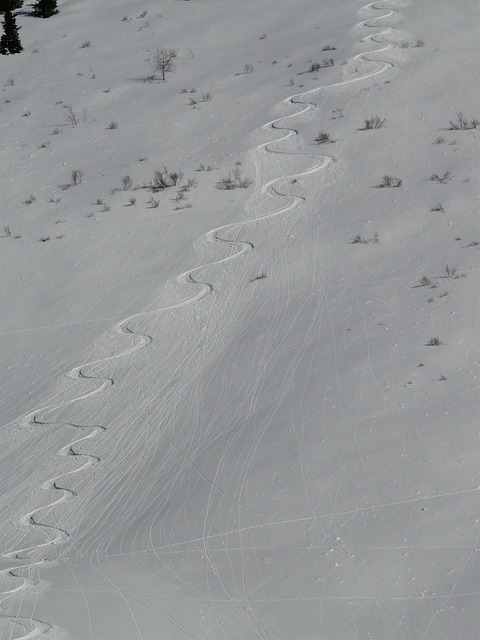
(462, 123)
(324, 138)
(127, 183)
(234, 180)
(73, 116)
(76, 177)
(326, 62)
(390, 181)
(434, 342)
(443, 179)
(374, 122)
(358, 239)
(165, 179)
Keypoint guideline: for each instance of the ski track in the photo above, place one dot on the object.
(30, 559)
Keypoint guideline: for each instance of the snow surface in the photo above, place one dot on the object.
(226, 421)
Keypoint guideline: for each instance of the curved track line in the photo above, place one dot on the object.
(33, 559)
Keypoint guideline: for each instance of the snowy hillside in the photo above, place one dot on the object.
(239, 328)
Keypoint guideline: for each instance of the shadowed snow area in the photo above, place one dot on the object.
(243, 406)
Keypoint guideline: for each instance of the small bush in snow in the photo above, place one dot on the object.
(323, 138)
(76, 177)
(234, 180)
(30, 200)
(374, 122)
(434, 342)
(127, 183)
(166, 179)
(461, 123)
(85, 44)
(390, 181)
(450, 272)
(329, 47)
(441, 179)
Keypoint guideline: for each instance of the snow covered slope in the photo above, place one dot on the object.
(243, 413)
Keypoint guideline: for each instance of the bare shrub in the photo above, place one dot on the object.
(425, 281)
(390, 181)
(450, 272)
(462, 123)
(112, 125)
(166, 179)
(434, 342)
(154, 204)
(132, 201)
(437, 207)
(441, 179)
(30, 200)
(419, 43)
(127, 183)
(76, 177)
(324, 138)
(234, 180)
(374, 122)
(358, 239)
(85, 44)
(439, 140)
(190, 184)
(329, 47)
(72, 115)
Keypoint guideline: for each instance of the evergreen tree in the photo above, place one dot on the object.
(10, 4)
(45, 8)
(10, 41)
